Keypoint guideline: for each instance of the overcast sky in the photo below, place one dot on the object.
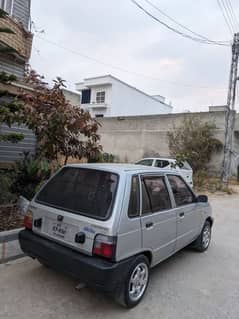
(189, 74)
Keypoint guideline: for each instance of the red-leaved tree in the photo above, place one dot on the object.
(61, 129)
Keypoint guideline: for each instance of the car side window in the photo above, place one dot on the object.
(157, 192)
(146, 162)
(182, 193)
(133, 209)
(161, 163)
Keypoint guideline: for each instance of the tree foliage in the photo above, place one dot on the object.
(30, 173)
(194, 141)
(60, 128)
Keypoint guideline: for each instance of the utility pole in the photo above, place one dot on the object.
(230, 112)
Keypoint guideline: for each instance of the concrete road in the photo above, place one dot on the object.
(188, 285)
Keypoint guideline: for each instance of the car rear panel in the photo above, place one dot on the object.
(63, 227)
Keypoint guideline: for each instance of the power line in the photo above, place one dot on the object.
(232, 14)
(120, 68)
(176, 30)
(229, 15)
(230, 28)
(178, 23)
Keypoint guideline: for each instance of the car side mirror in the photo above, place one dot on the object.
(202, 199)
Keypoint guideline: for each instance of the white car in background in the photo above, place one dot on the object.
(169, 163)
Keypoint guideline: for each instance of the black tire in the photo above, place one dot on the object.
(123, 296)
(202, 243)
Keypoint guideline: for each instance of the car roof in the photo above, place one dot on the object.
(119, 168)
(157, 158)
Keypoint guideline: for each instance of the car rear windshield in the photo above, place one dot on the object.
(81, 191)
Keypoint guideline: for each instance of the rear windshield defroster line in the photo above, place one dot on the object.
(81, 191)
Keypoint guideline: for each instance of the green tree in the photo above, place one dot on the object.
(11, 109)
(194, 141)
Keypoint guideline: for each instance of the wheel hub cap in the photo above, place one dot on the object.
(206, 236)
(138, 281)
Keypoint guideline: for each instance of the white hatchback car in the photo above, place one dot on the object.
(169, 163)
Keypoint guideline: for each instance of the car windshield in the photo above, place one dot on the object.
(146, 162)
(81, 191)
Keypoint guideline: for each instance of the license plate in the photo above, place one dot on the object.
(59, 230)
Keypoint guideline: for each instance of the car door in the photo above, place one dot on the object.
(187, 211)
(158, 219)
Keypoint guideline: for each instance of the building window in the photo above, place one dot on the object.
(99, 115)
(7, 5)
(100, 97)
(85, 96)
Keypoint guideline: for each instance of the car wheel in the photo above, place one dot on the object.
(203, 241)
(133, 289)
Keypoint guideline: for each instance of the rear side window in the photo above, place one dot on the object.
(161, 163)
(146, 162)
(182, 193)
(133, 209)
(157, 192)
(81, 191)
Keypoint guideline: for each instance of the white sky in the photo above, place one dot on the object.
(118, 33)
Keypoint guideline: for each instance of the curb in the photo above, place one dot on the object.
(7, 237)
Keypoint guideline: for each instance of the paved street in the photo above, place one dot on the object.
(189, 285)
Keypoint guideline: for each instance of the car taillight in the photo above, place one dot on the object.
(28, 220)
(104, 246)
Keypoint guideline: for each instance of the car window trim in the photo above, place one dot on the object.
(139, 191)
(191, 191)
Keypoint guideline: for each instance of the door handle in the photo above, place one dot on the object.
(149, 224)
(181, 215)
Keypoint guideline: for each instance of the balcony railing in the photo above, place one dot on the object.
(96, 105)
(20, 41)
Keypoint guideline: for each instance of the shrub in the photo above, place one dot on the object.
(194, 141)
(30, 174)
(103, 158)
(6, 195)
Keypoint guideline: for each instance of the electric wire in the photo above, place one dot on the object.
(230, 28)
(196, 39)
(228, 14)
(179, 24)
(58, 45)
(232, 14)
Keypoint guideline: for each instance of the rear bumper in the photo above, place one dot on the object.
(93, 271)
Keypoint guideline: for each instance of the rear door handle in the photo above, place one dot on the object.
(181, 215)
(149, 224)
